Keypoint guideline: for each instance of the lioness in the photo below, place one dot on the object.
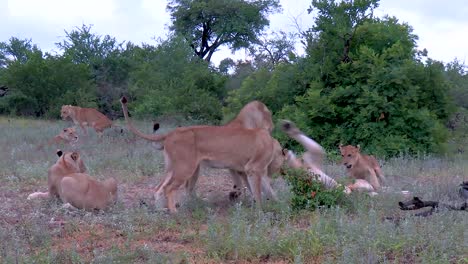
(253, 115)
(66, 136)
(360, 166)
(86, 117)
(312, 160)
(238, 177)
(231, 146)
(67, 179)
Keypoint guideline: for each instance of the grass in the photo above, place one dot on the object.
(210, 228)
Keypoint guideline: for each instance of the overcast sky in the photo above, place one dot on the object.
(442, 26)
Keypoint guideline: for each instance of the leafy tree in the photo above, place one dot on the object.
(271, 51)
(242, 70)
(386, 99)
(171, 80)
(458, 77)
(41, 84)
(16, 50)
(329, 41)
(209, 24)
(458, 123)
(107, 60)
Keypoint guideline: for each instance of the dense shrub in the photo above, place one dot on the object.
(310, 194)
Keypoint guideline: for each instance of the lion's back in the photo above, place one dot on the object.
(371, 160)
(93, 116)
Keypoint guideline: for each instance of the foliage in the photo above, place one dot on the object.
(171, 80)
(210, 24)
(40, 84)
(109, 63)
(309, 193)
(458, 77)
(270, 51)
(361, 80)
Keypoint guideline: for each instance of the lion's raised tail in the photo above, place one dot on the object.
(156, 138)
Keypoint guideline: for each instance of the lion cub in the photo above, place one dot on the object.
(360, 166)
(67, 179)
(312, 160)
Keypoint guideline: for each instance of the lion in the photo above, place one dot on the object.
(360, 166)
(231, 146)
(253, 115)
(86, 117)
(312, 160)
(68, 181)
(66, 136)
(238, 177)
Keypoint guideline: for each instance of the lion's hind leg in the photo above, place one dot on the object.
(177, 177)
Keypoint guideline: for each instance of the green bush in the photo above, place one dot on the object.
(310, 194)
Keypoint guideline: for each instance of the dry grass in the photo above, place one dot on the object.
(211, 229)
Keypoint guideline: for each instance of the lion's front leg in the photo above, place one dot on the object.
(372, 179)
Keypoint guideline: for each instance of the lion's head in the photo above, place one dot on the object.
(66, 112)
(69, 134)
(350, 155)
(72, 161)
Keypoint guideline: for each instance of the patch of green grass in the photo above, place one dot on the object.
(207, 232)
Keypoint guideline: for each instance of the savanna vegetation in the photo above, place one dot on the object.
(361, 80)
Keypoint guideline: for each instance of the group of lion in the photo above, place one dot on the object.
(244, 146)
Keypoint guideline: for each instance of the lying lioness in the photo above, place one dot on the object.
(66, 136)
(234, 147)
(67, 179)
(312, 160)
(86, 117)
(360, 166)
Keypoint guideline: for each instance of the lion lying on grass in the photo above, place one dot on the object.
(66, 136)
(86, 117)
(231, 146)
(67, 179)
(360, 166)
(312, 160)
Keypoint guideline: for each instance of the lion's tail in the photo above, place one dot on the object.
(156, 138)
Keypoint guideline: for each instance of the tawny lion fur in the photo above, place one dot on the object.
(360, 166)
(231, 146)
(86, 117)
(312, 160)
(68, 181)
(66, 136)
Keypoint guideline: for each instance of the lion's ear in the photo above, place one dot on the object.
(358, 147)
(340, 146)
(75, 156)
(284, 151)
(59, 153)
(123, 100)
(155, 127)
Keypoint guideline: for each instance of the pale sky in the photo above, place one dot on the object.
(442, 26)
